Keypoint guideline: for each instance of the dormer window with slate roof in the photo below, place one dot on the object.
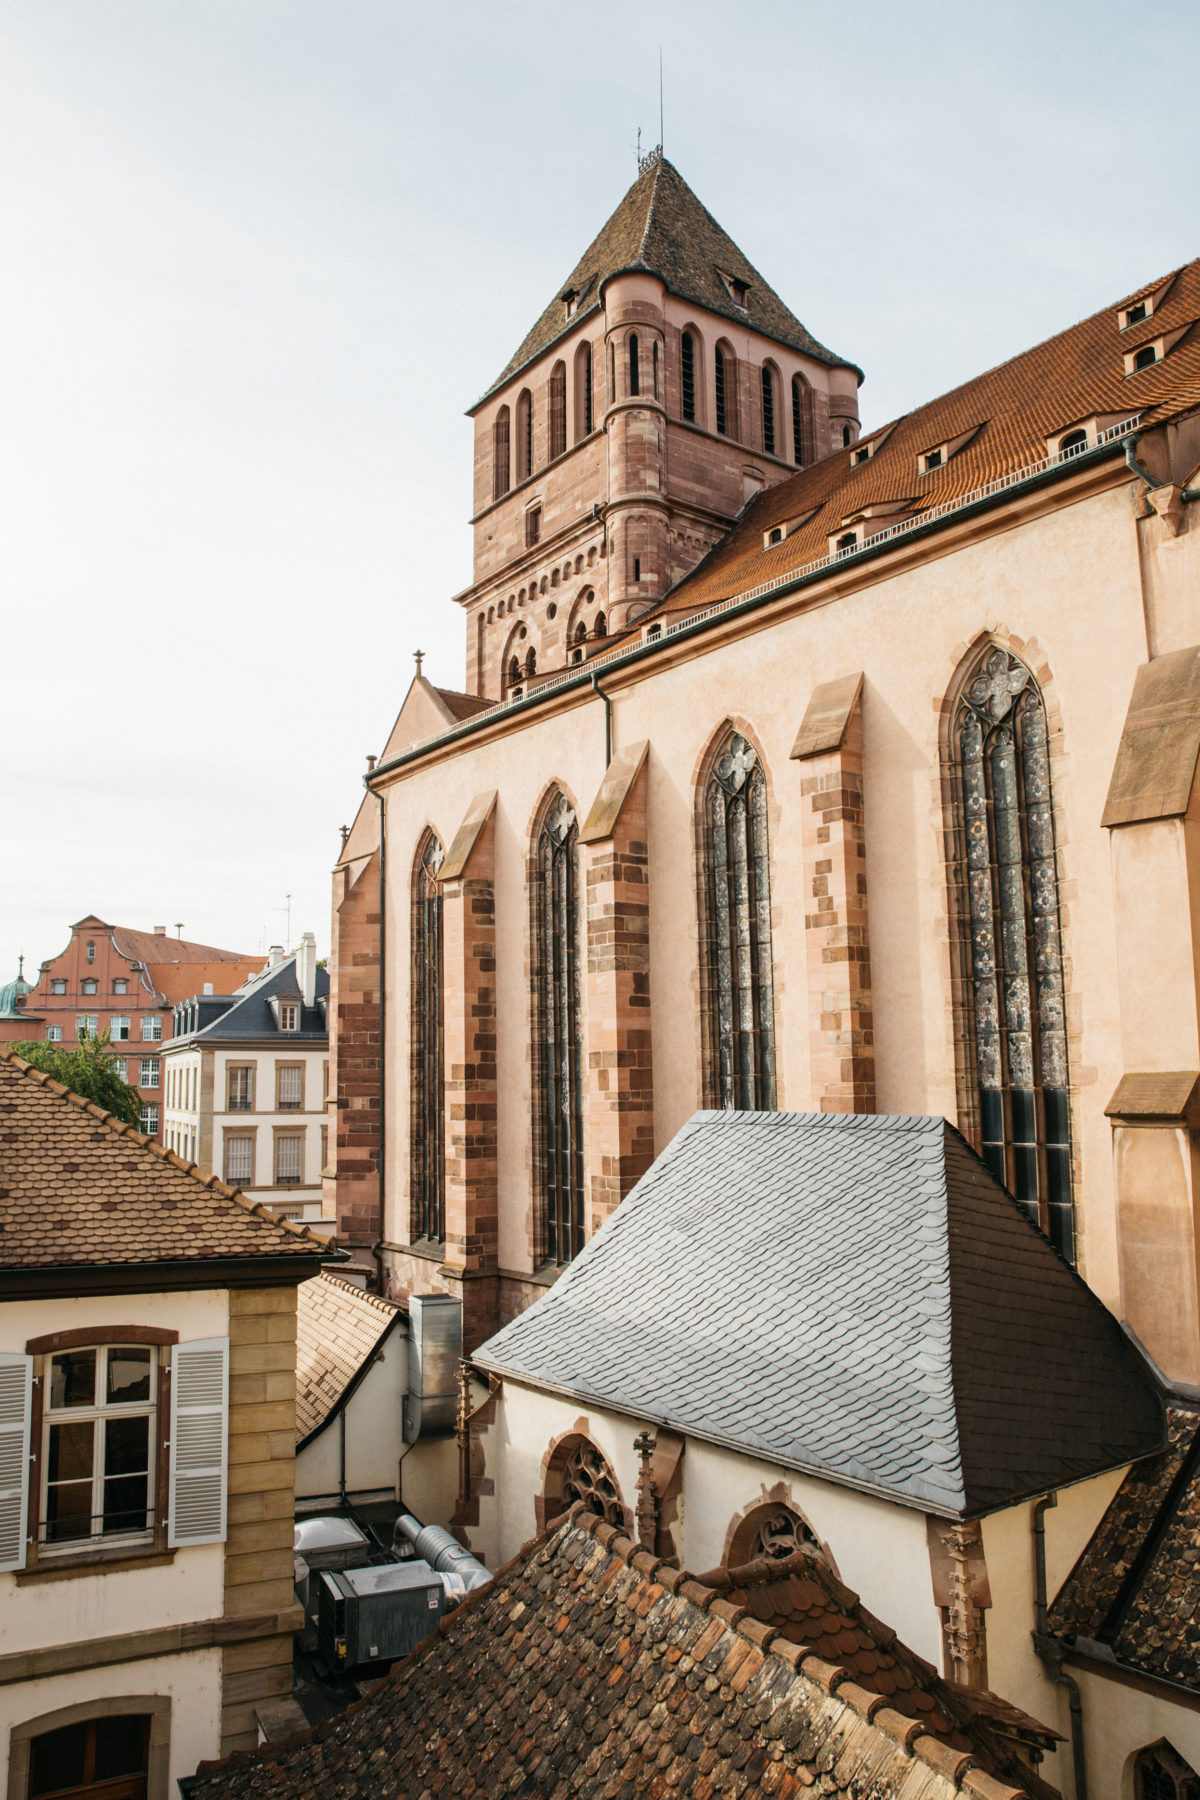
(738, 290)
(289, 1015)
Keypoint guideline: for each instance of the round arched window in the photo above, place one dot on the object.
(769, 1534)
(579, 1471)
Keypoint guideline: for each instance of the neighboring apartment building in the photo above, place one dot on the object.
(887, 806)
(245, 1082)
(147, 1429)
(112, 978)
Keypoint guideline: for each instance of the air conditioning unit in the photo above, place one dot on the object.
(379, 1614)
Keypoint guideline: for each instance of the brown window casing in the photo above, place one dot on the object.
(240, 1085)
(289, 1087)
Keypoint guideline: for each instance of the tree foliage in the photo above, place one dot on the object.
(88, 1069)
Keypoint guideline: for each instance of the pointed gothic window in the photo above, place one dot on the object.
(428, 1188)
(1160, 1773)
(739, 978)
(500, 463)
(558, 410)
(687, 361)
(655, 366)
(725, 390)
(559, 1126)
(722, 407)
(524, 435)
(1015, 948)
(803, 430)
(768, 409)
(634, 382)
(583, 391)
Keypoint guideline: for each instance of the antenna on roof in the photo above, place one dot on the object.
(179, 928)
(661, 134)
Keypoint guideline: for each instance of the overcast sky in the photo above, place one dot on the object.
(259, 255)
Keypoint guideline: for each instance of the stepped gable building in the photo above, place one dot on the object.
(115, 979)
(589, 1666)
(147, 1452)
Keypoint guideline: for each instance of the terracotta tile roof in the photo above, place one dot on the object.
(180, 980)
(904, 1334)
(1010, 412)
(588, 1668)
(1135, 1591)
(153, 946)
(338, 1329)
(80, 1189)
(661, 227)
(802, 1599)
(462, 706)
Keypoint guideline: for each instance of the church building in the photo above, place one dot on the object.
(800, 770)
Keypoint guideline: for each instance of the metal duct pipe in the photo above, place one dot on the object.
(441, 1550)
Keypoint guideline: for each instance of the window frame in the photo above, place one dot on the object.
(557, 984)
(289, 1069)
(230, 1138)
(119, 1026)
(287, 1135)
(232, 1105)
(156, 1707)
(152, 1028)
(427, 1189)
(154, 1078)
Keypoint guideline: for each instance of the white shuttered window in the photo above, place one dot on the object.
(16, 1396)
(199, 1442)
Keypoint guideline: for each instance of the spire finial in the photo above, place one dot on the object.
(21, 967)
(418, 658)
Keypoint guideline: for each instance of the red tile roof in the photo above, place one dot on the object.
(80, 1189)
(181, 980)
(589, 1668)
(1009, 413)
(339, 1327)
(156, 946)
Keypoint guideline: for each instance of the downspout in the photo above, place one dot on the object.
(600, 693)
(1130, 445)
(1050, 1649)
(377, 1246)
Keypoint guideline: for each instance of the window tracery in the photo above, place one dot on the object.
(741, 1006)
(587, 1476)
(780, 1534)
(559, 1032)
(1160, 1773)
(427, 1191)
(1015, 947)
(803, 424)
(558, 410)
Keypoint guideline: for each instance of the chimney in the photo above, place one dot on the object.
(306, 968)
(274, 956)
(160, 931)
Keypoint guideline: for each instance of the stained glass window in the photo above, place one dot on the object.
(1016, 967)
(559, 1034)
(427, 1191)
(741, 1006)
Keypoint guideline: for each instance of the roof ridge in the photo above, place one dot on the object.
(121, 1128)
(832, 1678)
(658, 169)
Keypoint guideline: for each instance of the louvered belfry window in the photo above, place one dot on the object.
(500, 455)
(803, 425)
(558, 410)
(719, 376)
(1015, 946)
(768, 411)
(559, 1032)
(634, 372)
(428, 1186)
(740, 979)
(687, 370)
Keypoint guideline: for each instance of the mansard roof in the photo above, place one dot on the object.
(852, 1296)
(991, 429)
(661, 228)
(587, 1666)
(248, 1013)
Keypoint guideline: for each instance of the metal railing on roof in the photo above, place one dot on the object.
(549, 684)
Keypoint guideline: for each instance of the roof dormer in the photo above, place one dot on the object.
(737, 289)
(866, 448)
(938, 455)
(1143, 305)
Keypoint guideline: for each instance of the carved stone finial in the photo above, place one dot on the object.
(418, 658)
(645, 1443)
(345, 831)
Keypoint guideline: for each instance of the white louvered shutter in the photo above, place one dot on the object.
(199, 1441)
(16, 1402)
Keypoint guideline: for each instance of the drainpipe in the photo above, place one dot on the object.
(377, 1246)
(1130, 445)
(599, 692)
(1048, 1648)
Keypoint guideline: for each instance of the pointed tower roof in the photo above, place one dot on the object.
(662, 228)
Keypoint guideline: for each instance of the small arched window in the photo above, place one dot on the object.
(1160, 1773)
(583, 391)
(634, 379)
(601, 626)
(558, 1033)
(767, 377)
(846, 437)
(1073, 443)
(1146, 357)
(501, 478)
(531, 661)
(739, 977)
(1010, 879)
(655, 361)
(803, 426)
(581, 632)
(514, 672)
(426, 1037)
(524, 435)
(687, 370)
(578, 1471)
(558, 410)
(769, 1533)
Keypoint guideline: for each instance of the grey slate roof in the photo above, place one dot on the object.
(247, 1015)
(852, 1296)
(660, 226)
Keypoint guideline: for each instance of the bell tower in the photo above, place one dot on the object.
(663, 386)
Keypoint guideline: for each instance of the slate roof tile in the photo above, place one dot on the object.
(577, 1673)
(824, 1355)
(80, 1189)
